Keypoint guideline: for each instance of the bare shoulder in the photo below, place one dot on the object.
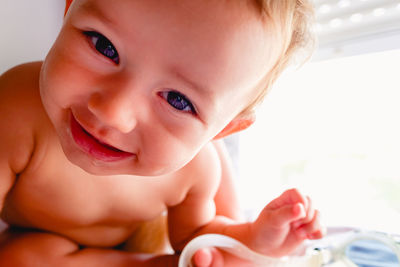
(21, 80)
(204, 170)
(19, 89)
(20, 109)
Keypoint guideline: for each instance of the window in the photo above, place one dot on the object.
(332, 127)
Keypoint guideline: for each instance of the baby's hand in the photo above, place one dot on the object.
(212, 257)
(279, 229)
(284, 224)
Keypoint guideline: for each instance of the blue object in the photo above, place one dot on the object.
(371, 253)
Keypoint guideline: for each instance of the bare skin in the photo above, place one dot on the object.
(93, 147)
(96, 223)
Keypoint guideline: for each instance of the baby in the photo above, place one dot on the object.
(118, 128)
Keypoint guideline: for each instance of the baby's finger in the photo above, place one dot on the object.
(318, 234)
(202, 258)
(289, 197)
(287, 214)
(208, 257)
(313, 229)
(310, 213)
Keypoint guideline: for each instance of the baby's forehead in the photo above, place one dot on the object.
(244, 9)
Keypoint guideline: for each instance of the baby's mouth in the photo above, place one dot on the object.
(96, 148)
(102, 143)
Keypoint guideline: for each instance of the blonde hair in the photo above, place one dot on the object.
(293, 20)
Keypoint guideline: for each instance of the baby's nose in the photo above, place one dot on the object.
(114, 111)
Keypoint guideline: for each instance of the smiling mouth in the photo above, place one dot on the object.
(94, 147)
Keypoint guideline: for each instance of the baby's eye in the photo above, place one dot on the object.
(103, 45)
(178, 101)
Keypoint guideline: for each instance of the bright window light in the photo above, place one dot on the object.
(324, 9)
(331, 129)
(336, 22)
(357, 17)
(343, 3)
(375, 19)
(378, 12)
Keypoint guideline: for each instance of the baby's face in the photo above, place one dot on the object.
(138, 87)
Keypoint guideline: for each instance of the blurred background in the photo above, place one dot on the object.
(330, 128)
(28, 29)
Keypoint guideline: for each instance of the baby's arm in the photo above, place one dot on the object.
(226, 199)
(198, 208)
(34, 249)
(283, 225)
(16, 141)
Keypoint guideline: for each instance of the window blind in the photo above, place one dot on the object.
(347, 27)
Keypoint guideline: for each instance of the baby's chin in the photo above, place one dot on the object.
(101, 168)
(97, 167)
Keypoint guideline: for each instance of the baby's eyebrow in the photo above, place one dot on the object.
(92, 9)
(194, 85)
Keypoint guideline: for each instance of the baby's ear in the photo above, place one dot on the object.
(236, 125)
